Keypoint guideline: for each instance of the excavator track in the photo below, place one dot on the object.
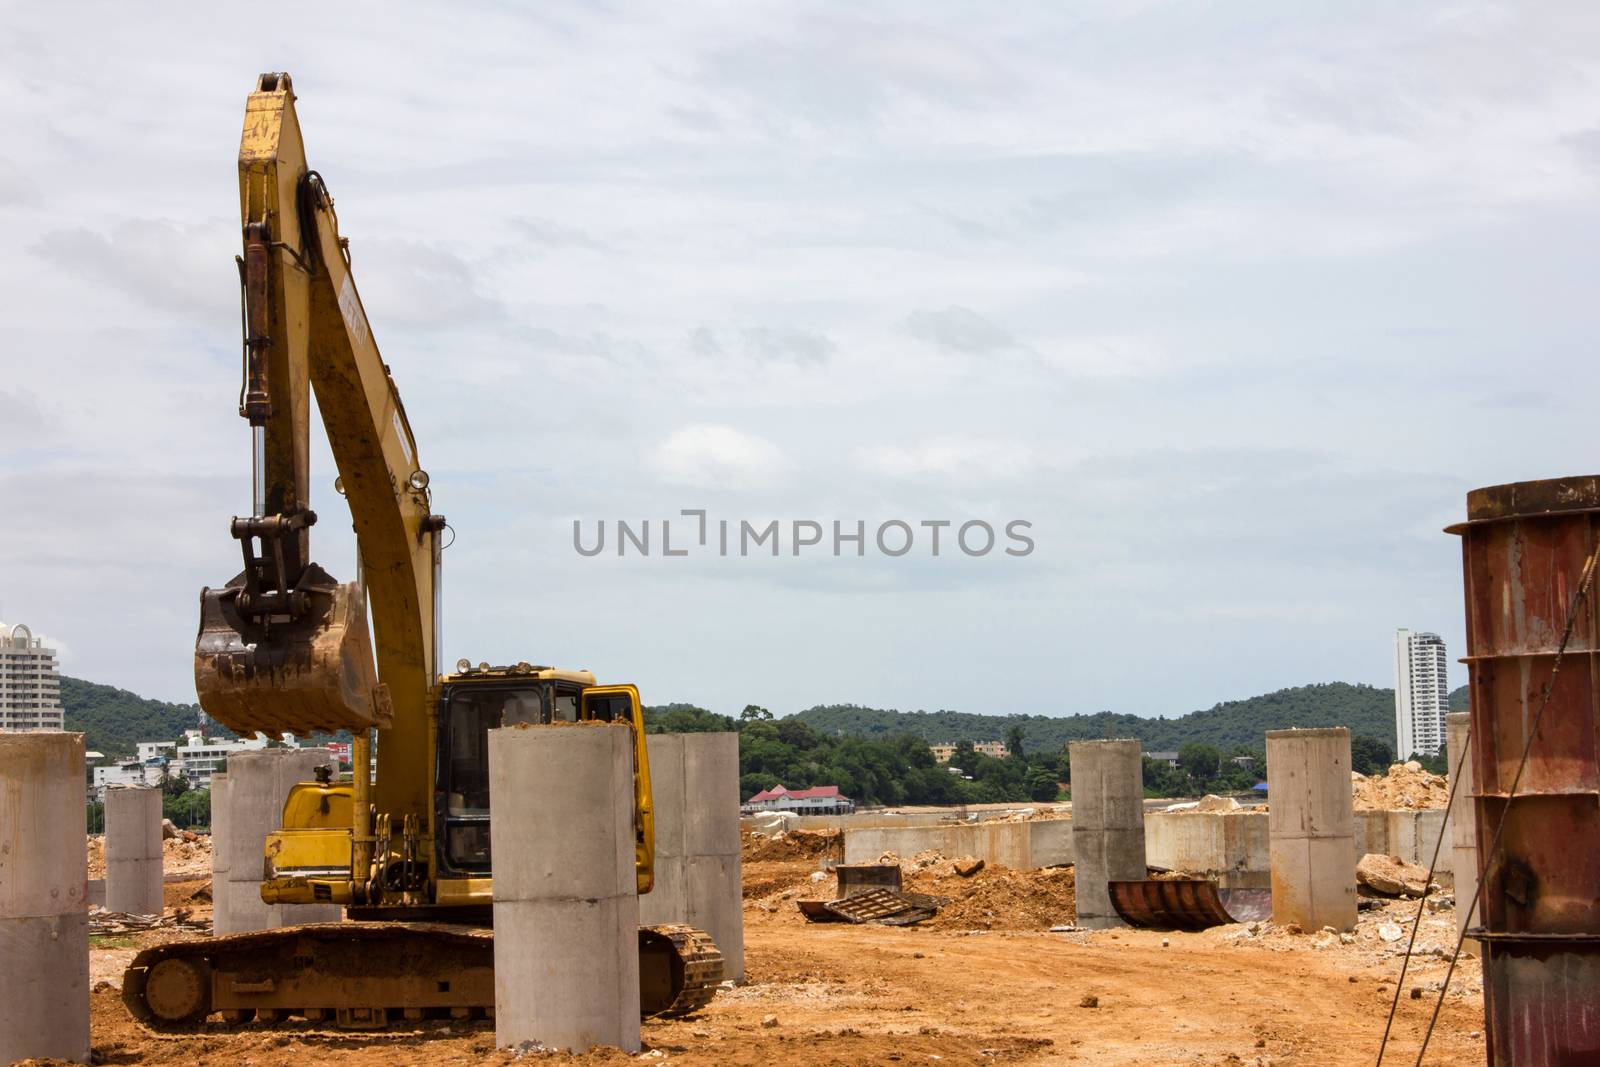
(371, 975)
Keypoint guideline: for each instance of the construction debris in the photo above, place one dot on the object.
(1391, 876)
(103, 923)
(1406, 785)
(887, 907)
(967, 866)
(861, 877)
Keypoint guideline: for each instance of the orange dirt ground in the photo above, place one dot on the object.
(947, 992)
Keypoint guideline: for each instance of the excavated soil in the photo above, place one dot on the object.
(1406, 785)
(182, 857)
(793, 845)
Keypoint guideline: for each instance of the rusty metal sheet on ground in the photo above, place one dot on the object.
(886, 907)
(1185, 903)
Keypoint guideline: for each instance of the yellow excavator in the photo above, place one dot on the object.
(284, 648)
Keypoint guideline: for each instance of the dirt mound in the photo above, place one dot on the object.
(792, 845)
(998, 898)
(1406, 785)
(187, 855)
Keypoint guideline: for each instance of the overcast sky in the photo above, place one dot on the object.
(1232, 303)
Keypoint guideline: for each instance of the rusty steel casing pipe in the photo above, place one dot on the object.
(1525, 548)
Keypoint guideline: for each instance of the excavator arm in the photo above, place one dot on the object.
(283, 646)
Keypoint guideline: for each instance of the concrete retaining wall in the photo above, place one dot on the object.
(896, 820)
(1230, 846)
(1411, 835)
(1021, 846)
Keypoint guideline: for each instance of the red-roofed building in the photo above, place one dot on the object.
(818, 800)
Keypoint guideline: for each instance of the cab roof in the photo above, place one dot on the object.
(483, 672)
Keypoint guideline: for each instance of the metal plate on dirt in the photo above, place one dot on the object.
(887, 907)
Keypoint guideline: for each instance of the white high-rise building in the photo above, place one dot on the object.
(30, 688)
(1421, 693)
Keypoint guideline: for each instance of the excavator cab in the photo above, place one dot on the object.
(476, 700)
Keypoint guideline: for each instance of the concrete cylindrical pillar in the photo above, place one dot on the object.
(219, 855)
(133, 850)
(44, 920)
(248, 807)
(1463, 840)
(1107, 824)
(695, 789)
(1311, 825)
(566, 906)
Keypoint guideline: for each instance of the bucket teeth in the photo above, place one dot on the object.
(315, 673)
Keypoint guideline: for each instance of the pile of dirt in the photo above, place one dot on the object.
(1406, 785)
(187, 855)
(792, 845)
(998, 898)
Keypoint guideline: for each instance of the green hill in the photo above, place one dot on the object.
(1367, 711)
(114, 720)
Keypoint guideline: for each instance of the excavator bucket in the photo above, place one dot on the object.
(306, 674)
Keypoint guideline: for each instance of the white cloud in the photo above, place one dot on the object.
(959, 329)
(958, 460)
(716, 457)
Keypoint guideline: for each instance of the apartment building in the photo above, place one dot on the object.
(1421, 692)
(30, 684)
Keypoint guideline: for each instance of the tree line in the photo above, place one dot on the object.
(900, 768)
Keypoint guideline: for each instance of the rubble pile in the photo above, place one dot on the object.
(1390, 876)
(792, 845)
(188, 854)
(998, 898)
(1406, 785)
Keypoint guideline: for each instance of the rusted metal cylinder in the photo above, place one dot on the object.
(1524, 549)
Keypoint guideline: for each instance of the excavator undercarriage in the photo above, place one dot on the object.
(370, 975)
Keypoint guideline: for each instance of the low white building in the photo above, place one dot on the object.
(126, 772)
(818, 800)
(197, 757)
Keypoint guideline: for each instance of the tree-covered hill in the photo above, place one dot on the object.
(114, 720)
(1366, 710)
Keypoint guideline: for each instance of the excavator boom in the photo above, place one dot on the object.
(283, 646)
